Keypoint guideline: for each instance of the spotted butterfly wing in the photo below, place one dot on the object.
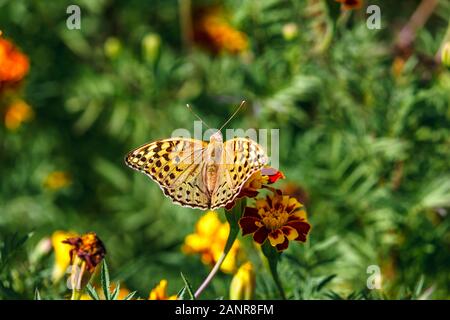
(176, 165)
(241, 157)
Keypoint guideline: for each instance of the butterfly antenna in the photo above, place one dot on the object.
(232, 116)
(195, 115)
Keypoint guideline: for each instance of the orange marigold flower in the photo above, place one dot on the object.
(160, 292)
(212, 30)
(277, 217)
(14, 65)
(88, 248)
(17, 113)
(350, 4)
(209, 241)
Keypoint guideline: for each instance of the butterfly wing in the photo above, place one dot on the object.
(176, 164)
(241, 157)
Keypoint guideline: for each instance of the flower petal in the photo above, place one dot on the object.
(292, 205)
(289, 232)
(299, 215)
(276, 237)
(284, 245)
(248, 225)
(302, 228)
(261, 235)
(251, 212)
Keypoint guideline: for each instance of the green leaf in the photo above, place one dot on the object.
(37, 295)
(115, 293)
(324, 282)
(129, 296)
(11, 244)
(92, 292)
(273, 256)
(188, 287)
(104, 278)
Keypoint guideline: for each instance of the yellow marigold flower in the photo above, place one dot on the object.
(350, 4)
(62, 253)
(13, 64)
(278, 218)
(212, 30)
(160, 292)
(209, 241)
(16, 114)
(243, 283)
(57, 180)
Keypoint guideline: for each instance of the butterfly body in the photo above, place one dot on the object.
(196, 173)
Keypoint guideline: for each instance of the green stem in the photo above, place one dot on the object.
(230, 241)
(273, 257)
(276, 278)
(233, 219)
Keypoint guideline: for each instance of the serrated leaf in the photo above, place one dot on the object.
(92, 292)
(104, 278)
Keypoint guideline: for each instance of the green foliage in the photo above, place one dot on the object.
(366, 146)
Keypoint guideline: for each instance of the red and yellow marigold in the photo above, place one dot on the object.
(278, 218)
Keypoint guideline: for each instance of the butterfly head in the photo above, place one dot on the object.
(216, 138)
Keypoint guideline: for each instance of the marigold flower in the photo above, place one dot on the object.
(57, 180)
(16, 114)
(62, 253)
(212, 30)
(257, 181)
(160, 292)
(350, 4)
(13, 64)
(89, 248)
(242, 285)
(209, 241)
(277, 217)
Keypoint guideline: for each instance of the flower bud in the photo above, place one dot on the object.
(243, 283)
(289, 31)
(445, 54)
(112, 47)
(151, 44)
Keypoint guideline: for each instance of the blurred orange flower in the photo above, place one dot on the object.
(350, 4)
(17, 113)
(209, 241)
(160, 292)
(14, 65)
(57, 180)
(213, 31)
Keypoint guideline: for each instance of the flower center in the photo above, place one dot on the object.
(275, 219)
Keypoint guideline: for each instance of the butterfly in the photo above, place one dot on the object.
(199, 174)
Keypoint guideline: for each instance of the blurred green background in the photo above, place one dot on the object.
(364, 123)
